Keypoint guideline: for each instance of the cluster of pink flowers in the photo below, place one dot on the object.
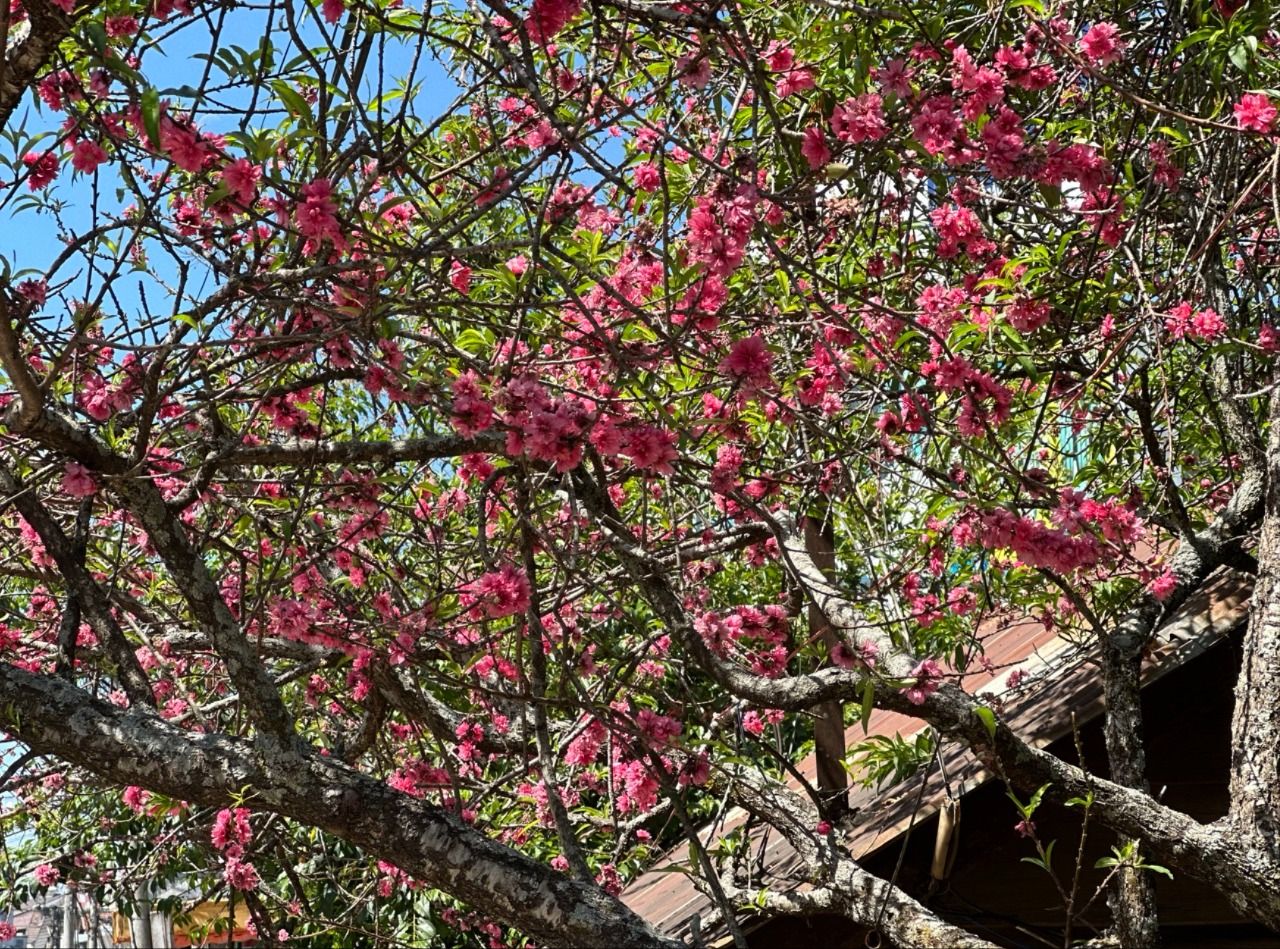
(299, 619)
(135, 798)
(940, 307)
(749, 362)
(892, 423)
(1101, 45)
(416, 777)
(702, 303)
(923, 606)
(754, 723)
(959, 229)
(1036, 544)
(78, 481)
(472, 412)
(938, 127)
(496, 594)
(859, 119)
(720, 227)
(863, 656)
(791, 78)
(316, 215)
(1163, 169)
(549, 17)
(47, 874)
(925, 679)
(813, 146)
(1078, 162)
(1117, 521)
(639, 786)
(658, 730)
(766, 626)
(1104, 210)
(460, 277)
(961, 601)
(1005, 143)
(983, 85)
(984, 402)
(185, 145)
(585, 748)
(1027, 316)
(87, 155)
(231, 831)
(1204, 324)
(42, 169)
(332, 10)
(650, 448)
(231, 834)
(647, 176)
(101, 400)
(1255, 112)
(1164, 585)
(240, 874)
(545, 429)
(724, 473)
(241, 178)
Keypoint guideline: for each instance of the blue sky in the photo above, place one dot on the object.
(29, 238)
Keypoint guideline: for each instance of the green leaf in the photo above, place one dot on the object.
(96, 34)
(1239, 56)
(151, 115)
(293, 100)
(868, 703)
(988, 719)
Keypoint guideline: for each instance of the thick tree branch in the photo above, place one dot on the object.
(20, 65)
(136, 747)
(1255, 738)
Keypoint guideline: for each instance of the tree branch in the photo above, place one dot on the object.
(136, 747)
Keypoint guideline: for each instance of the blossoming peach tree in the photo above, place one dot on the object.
(449, 451)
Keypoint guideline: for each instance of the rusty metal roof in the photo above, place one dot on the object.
(665, 894)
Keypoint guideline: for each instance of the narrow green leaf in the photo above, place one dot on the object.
(988, 719)
(151, 115)
(868, 703)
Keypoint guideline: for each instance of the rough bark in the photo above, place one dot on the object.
(137, 747)
(828, 718)
(1133, 896)
(1255, 727)
(19, 67)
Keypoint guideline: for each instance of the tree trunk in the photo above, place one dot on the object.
(1132, 898)
(1255, 728)
(828, 717)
